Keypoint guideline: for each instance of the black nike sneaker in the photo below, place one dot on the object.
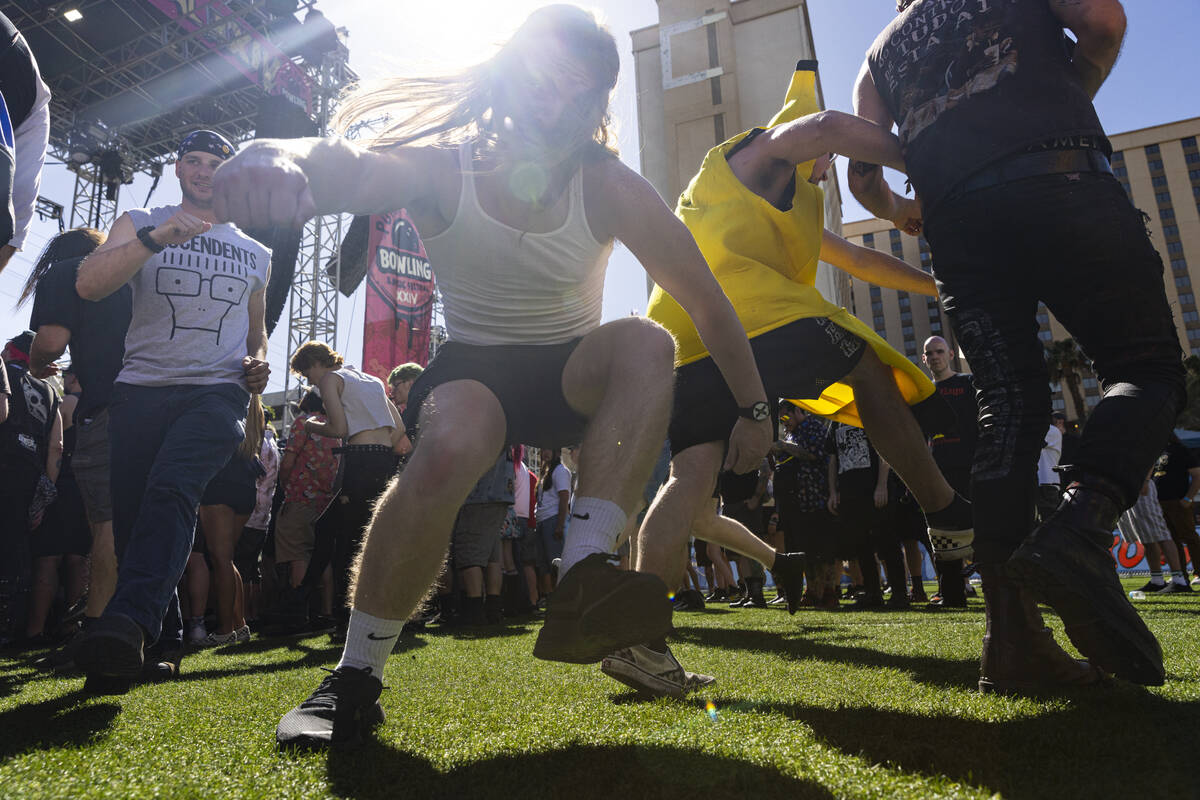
(342, 709)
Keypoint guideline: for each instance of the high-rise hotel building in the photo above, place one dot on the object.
(1160, 170)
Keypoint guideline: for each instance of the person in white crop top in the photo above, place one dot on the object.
(358, 411)
(529, 209)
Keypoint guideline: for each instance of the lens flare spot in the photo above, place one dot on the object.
(670, 595)
(710, 708)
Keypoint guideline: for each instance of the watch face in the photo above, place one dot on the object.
(761, 411)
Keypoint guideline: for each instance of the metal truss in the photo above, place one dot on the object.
(90, 205)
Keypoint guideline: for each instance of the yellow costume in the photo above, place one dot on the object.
(766, 262)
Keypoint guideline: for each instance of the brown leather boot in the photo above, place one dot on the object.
(1019, 651)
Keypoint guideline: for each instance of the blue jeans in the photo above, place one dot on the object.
(167, 444)
(1077, 244)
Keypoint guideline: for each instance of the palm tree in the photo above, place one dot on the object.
(1066, 363)
(1189, 418)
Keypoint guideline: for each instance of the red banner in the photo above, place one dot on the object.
(399, 296)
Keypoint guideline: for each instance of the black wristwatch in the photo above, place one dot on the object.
(757, 412)
(147, 240)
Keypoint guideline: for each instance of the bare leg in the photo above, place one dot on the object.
(725, 579)
(103, 579)
(45, 584)
(493, 578)
(197, 585)
(676, 508)
(620, 377)
(405, 542)
(531, 584)
(219, 536)
(77, 578)
(471, 580)
(895, 433)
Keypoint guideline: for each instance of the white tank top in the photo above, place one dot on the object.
(365, 401)
(501, 285)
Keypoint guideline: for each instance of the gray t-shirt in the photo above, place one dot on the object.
(191, 306)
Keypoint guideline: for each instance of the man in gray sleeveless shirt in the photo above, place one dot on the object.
(1001, 140)
(196, 346)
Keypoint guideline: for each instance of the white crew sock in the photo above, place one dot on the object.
(1157, 579)
(1182, 581)
(369, 642)
(595, 527)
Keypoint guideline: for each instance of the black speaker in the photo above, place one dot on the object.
(280, 118)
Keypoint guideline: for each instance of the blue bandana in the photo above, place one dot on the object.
(207, 142)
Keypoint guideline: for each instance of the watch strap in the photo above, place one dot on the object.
(143, 235)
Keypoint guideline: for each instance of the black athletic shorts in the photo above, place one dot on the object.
(798, 360)
(526, 379)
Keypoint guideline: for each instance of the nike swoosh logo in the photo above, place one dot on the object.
(582, 516)
(381, 638)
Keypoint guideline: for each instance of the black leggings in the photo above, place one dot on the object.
(366, 470)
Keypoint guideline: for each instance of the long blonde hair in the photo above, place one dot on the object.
(256, 421)
(454, 108)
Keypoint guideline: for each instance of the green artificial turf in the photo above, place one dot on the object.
(866, 705)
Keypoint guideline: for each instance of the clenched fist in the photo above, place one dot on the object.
(179, 228)
(262, 186)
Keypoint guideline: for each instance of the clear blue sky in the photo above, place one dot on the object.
(1154, 82)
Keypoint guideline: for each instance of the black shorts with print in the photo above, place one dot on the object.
(797, 360)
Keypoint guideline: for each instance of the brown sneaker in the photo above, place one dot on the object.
(598, 609)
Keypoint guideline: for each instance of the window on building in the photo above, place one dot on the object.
(1174, 248)
(1118, 156)
(1179, 264)
(1045, 336)
(1151, 149)
(1166, 213)
(869, 239)
(1158, 181)
(879, 322)
(905, 302)
(875, 292)
(1121, 172)
(1092, 400)
(877, 307)
(1191, 316)
(1059, 404)
(935, 328)
(1170, 230)
(1187, 298)
(1192, 157)
(1182, 281)
(1188, 141)
(1194, 174)
(1155, 165)
(1162, 197)
(906, 316)
(907, 331)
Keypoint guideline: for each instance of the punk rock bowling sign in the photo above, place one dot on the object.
(399, 295)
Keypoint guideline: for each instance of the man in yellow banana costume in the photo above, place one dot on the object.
(756, 210)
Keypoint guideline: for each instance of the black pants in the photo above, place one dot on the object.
(339, 532)
(1077, 244)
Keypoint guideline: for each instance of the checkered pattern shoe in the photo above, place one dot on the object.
(652, 673)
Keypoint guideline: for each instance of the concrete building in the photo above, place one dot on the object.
(709, 70)
(1159, 168)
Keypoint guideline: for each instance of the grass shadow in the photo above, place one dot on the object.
(930, 670)
(63, 722)
(1094, 745)
(376, 770)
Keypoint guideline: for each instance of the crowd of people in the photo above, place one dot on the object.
(744, 419)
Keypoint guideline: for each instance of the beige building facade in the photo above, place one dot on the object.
(709, 70)
(1160, 170)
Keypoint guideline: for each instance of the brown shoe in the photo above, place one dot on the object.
(1019, 652)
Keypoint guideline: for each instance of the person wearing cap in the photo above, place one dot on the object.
(756, 209)
(194, 352)
(31, 446)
